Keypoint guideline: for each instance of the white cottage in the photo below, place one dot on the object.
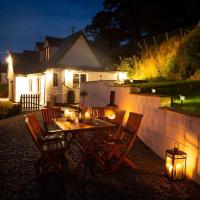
(57, 66)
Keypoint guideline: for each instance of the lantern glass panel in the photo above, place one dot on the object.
(169, 166)
(175, 164)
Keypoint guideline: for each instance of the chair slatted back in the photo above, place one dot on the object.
(98, 112)
(132, 127)
(49, 113)
(34, 128)
(118, 120)
(119, 117)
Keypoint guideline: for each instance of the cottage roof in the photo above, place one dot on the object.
(66, 45)
(68, 42)
(26, 63)
(54, 41)
(40, 46)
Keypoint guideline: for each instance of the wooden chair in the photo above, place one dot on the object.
(118, 120)
(52, 149)
(47, 115)
(98, 112)
(120, 148)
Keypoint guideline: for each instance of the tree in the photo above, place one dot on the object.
(124, 21)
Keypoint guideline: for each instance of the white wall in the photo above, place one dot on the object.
(80, 54)
(160, 129)
(50, 90)
(95, 76)
(22, 86)
(66, 82)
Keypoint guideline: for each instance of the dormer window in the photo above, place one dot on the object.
(47, 53)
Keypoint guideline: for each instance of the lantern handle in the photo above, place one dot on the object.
(176, 146)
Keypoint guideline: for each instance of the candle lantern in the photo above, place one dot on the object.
(67, 113)
(111, 116)
(175, 166)
(87, 116)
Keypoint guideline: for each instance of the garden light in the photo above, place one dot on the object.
(182, 98)
(153, 90)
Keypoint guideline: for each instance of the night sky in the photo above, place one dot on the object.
(24, 22)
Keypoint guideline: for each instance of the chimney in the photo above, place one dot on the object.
(112, 99)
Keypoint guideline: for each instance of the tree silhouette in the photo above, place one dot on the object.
(122, 22)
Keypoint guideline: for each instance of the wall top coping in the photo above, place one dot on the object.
(192, 114)
(98, 81)
(142, 94)
(150, 95)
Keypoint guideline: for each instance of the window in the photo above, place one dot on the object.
(76, 80)
(55, 79)
(47, 53)
(83, 78)
(30, 85)
(38, 85)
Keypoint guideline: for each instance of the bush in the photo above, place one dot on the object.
(196, 76)
(188, 55)
(156, 62)
(8, 109)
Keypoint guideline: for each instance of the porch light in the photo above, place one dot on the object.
(175, 166)
(122, 76)
(9, 59)
(68, 76)
(153, 90)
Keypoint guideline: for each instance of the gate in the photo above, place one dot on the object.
(30, 102)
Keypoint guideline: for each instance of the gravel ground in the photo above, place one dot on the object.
(18, 179)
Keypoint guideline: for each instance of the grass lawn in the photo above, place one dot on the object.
(189, 89)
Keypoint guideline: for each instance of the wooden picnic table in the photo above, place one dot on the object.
(96, 126)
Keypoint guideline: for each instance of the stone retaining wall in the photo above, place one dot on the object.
(160, 128)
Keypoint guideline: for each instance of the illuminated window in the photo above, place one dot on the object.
(83, 78)
(38, 84)
(77, 79)
(55, 79)
(47, 53)
(30, 85)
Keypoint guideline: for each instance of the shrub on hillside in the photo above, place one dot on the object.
(196, 75)
(188, 54)
(157, 62)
